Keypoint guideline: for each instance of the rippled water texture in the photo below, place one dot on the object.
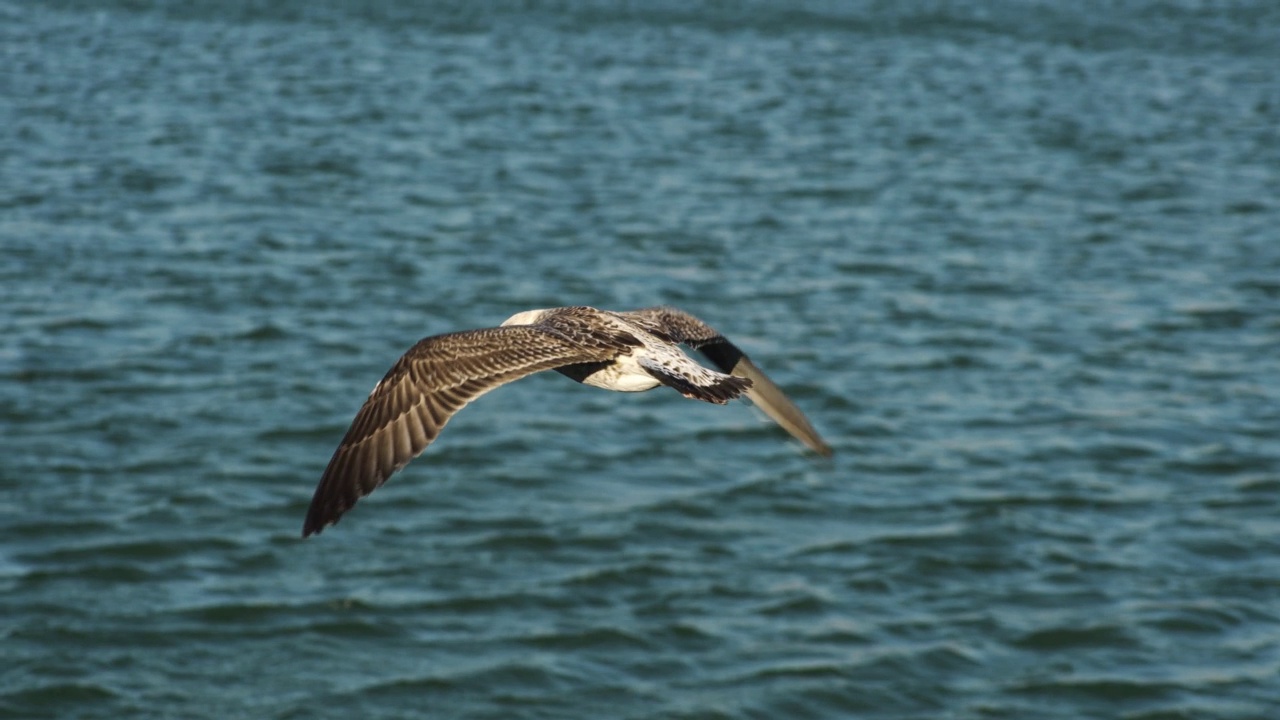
(1019, 261)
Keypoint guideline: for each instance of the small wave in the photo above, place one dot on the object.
(1100, 688)
(60, 695)
(807, 604)
(1193, 618)
(628, 575)
(139, 551)
(611, 639)
(511, 676)
(1065, 637)
(506, 541)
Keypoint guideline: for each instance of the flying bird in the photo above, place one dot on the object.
(623, 351)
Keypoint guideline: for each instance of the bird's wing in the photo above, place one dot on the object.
(681, 327)
(431, 382)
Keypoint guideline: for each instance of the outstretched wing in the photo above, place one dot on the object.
(684, 328)
(431, 382)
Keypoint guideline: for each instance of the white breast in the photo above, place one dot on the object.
(622, 375)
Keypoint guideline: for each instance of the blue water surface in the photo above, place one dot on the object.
(1017, 260)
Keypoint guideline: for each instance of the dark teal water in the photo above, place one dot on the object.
(1019, 261)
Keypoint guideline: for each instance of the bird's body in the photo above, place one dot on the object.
(621, 351)
(622, 375)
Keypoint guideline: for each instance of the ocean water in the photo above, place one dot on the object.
(1018, 261)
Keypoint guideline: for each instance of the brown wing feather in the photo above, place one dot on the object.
(433, 380)
(684, 328)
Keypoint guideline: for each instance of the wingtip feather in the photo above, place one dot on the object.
(773, 402)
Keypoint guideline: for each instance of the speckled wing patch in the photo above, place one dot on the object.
(693, 380)
(684, 328)
(407, 410)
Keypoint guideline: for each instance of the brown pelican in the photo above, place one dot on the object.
(623, 351)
